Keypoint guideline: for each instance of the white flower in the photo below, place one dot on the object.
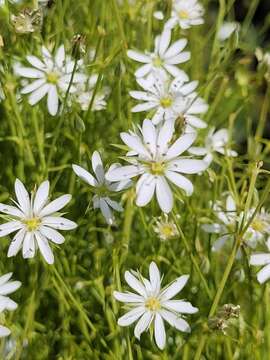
(85, 91)
(158, 15)
(156, 162)
(226, 30)
(170, 99)
(35, 221)
(214, 142)
(262, 259)
(103, 188)
(153, 305)
(164, 58)
(165, 228)
(52, 76)
(7, 287)
(185, 13)
(229, 220)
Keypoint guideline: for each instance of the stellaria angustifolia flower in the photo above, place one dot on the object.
(103, 188)
(36, 221)
(51, 75)
(164, 58)
(7, 287)
(214, 142)
(170, 99)
(153, 304)
(262, 259)
(156, 161)
(185, 13)
(165, 228)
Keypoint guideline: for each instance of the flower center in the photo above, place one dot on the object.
(166, 102)
(183, 14)
(258, 225)
(152, 304)
(52, 77)
(167, 230)
(32, 224)
(157, 168)
(157, 62)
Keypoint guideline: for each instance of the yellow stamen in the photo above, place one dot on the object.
(157, 62)
(258, 225)
(166, 102)
(52, 78)
(32, 224)
(157, 168)
(183, 14)
(152, 304)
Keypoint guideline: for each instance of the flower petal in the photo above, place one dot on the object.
(11, 210)
(135, 284)
(138, 56)
(84, 175)
(52, 234)
(180, 306)
(260, 259)
(44, 248)
(154, 276)
(38, 94)
(128, 297)
(22, 197)
(145, 189)
(4, 331)
(10, 227)
(55, 205)
(188, 166)
(16, 243)
(122, 172)
(164, 194)
(52, 100)
(180, 181)
(29, 248)
(131, 316)
(264, 274)
(59, 223)
(174, 288)
(41, 196)
(180, 145)
(97, 166)
(143, 324)
(9, 287)
(175, 321)
(160, 334)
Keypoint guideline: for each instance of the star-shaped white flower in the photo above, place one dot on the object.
(51, 75)
(153, 305)
(7, 287)
(35, 221)
(214, 142)
(170, 99)
(185, 13)
(164, 58)
(156, 161)
(102, 187)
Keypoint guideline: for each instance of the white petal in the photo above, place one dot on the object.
(122, 173)
(5, 278)
(160, 334)
(59, 223)
(98, 166)
(180, 306)
(135, 284)
(220, 242)
(188, 166)
(260, 259)
(144, 106)
(189, 87)
(141, 95)
(34, 61)
(174, 288)
(230, 204)
(38, 94)
(44, 248)
(30, 73)
(41, 196)
(143, 324)
(106, 211)
(52, 234)
(143, 70)
(175, 48)
(135, 144)
(16, 243)
(114, 204)
(4, 331)
(179, 59)
(195, 122)
(164, 41)
(22, 196)
(9, 287)
(84, 175)
(55, 205)
(175, 321)
(180, 145)
(164, 194)
(11, 210)
(145, 189)
(128, 297)
(174, 70)
(154, 276)
(33, 86)
(138, 56)
(197, 150)
(60, 56)
(264, 274)
(212, 228)
(165, 136)
(131, 316)
(10, 227)
(52, 100)
(180, 181)
(29, 249)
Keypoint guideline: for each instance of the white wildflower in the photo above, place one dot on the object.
(153, 304)
(35, 221)
(157, 161)
(185, 14)
(102, 187)
(164, 58)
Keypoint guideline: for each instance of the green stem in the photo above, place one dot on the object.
(192, 257)
(129, 212)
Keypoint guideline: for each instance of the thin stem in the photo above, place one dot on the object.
(129, 212)
(192, 257)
